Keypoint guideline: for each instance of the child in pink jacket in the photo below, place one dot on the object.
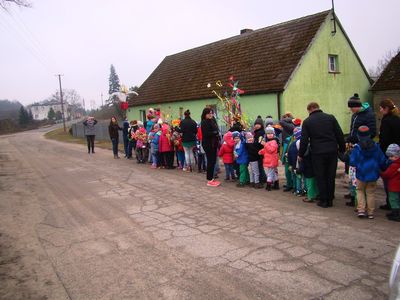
(226, 152)
(270, 158)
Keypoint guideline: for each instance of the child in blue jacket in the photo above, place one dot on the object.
(241, 157)
(368, 159)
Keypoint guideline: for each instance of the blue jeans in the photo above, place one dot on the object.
(114, 142)
(154, 158)
(229, 171)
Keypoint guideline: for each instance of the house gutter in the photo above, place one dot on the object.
(278, 104)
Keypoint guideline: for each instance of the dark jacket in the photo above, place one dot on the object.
(257, 134)
(113, 130)
(323, 133)
(188, 128)
(287, 127)
(252, 151)
(389, 131)
(292, 155)
(125, 128)
(236, 127)
(210, 134)
(365, 117)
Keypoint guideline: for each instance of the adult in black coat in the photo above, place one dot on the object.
(210, 143)
(323, 133)
(389, 132)
(363, 115)
(188, 128)
(113, 129)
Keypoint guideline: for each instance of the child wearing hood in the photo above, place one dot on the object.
(294, 165)
(368, 159)
(252, 150)
(154, 137)
(271, 157)
(241, 157)
(166, 147)
(226, 152)
(141, 143)
(392, 175)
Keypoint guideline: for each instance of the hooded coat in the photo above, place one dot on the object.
(392, 175)
(164, 143)
(89, 126)
(368, 159)
(226, 150)
(270, 154)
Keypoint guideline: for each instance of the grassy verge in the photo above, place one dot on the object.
(61, 136)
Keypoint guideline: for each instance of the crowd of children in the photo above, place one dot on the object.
(252, 157)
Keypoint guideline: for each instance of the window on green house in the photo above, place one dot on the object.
(180, 112)
(142, 115)
(333, 64)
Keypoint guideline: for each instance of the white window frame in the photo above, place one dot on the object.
(335, 68)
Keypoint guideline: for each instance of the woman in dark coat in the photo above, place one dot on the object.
(114, 135)
(389, 132)
(210, 132)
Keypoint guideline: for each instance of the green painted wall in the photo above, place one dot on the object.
(313, 82)
(252, 106)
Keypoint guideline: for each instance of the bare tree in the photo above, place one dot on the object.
(382, 63)
(4, 4)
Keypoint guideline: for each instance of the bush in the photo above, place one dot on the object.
(70, 131)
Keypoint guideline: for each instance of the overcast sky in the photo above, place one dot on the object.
(81, 38)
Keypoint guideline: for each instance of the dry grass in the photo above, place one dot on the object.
(61, 136)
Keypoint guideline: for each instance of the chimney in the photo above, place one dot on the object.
(246, 30)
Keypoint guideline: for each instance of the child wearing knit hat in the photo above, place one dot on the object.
(241, 156)
(392, 175)
(294, 165)
(368, 159)
(271, 158)
(252, 149)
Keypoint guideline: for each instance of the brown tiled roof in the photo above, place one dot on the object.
(262, 61)
(390, 77)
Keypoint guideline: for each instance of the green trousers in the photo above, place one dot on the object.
(244, 174)
(288, 175)
(312, 189)
(394, 200)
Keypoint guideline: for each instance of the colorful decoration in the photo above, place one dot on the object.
(176, 123)
(229, 97)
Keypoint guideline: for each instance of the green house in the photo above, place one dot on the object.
(281, 68)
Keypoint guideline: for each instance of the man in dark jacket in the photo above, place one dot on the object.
(362, 116)
(188, 128)
(323, 133)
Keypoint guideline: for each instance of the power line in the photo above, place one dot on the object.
(25, 43)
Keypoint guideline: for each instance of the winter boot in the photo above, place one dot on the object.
(276, 185)
(268, 187)
(352, 201)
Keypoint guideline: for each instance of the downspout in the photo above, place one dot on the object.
(278, 104)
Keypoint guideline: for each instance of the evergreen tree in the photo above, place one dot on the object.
(30, 116)
(23, 116)
(51, 114)
(113, 81)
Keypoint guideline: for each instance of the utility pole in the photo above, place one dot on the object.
(102, 100)
(62, 102)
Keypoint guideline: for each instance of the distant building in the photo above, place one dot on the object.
(388, 84)
(41, 111)
(281, 68)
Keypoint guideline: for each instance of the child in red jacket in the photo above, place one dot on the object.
(226, 152)
(271, 158)
(392, 175)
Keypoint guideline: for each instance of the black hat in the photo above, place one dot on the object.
(259, 121)
(354, 101)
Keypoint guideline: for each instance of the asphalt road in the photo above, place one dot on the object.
(79, 226)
